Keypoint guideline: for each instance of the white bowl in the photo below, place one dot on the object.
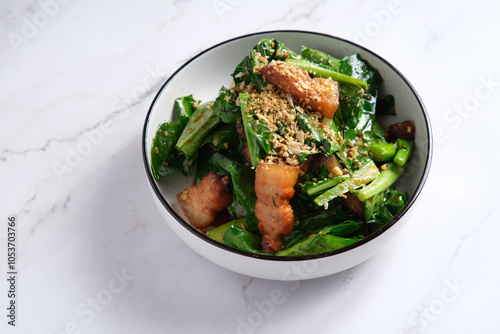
(203, 76)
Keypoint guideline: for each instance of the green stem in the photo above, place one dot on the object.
(405, 148)
(326, 73)
(382, 182)
(321, 186)
(382, 152)
(320, 57)
(202, 121)
(359, 178)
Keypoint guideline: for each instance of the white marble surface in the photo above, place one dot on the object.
(93, 254)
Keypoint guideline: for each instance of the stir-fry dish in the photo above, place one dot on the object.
(289, 159)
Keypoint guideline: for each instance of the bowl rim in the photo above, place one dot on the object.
(270, 257)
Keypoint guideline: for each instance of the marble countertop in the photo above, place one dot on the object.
(93, 254)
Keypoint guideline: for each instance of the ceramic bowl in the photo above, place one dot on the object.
(203, 76)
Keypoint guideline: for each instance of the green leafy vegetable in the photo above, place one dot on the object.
(316, 134)
(225, 106)
(324, 241)
(238, 237)
(223, 137)
(356, 106)
(320, 58)
(259, 135)
(242, 179)
(165, 158)
(203, 167)
(184, 107)
(386, 106)
(218, 233)
(265, 51)
(383, 207)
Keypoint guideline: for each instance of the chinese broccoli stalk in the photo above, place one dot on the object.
(200, 124)
(388, 176)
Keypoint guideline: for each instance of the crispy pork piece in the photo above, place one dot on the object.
(274, 186)
(353, 204)
(202, 202)
(318, 94)
(404, 130)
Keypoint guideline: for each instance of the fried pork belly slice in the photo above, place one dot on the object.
(404, 130)
(202, 202)
(318, 94)
(354, 205)
(274, 186)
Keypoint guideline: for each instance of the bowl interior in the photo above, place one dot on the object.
(206, 73)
